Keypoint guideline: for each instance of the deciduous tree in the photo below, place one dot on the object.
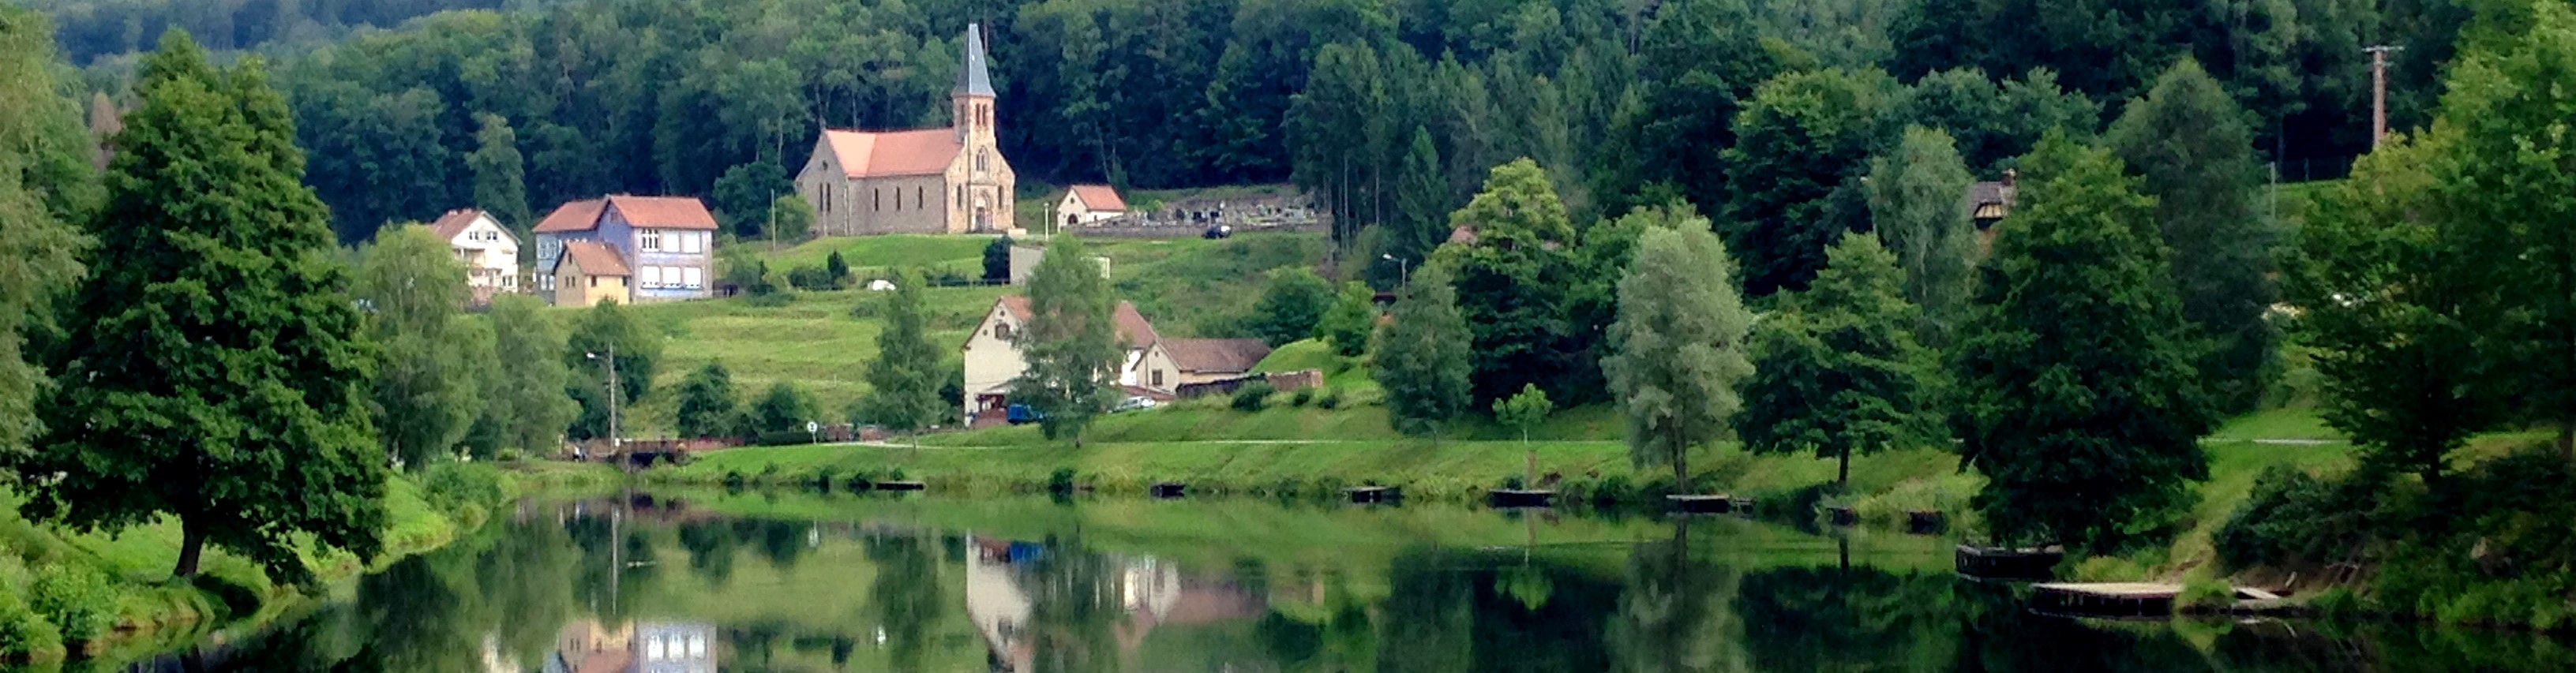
(1422, 356)
(903, 382)
(1071, 344)
(527, 351)
(1837, 370)
(1918, 199)
(1291, 306)
(791, 219)
(709, 404)
(1348, 323)
(46, 187)
(603, 331)
(221, 364)
(500, 174)
(2077, 397)
(1799, 137)
(782, 409)
(424, 396)
(1678, 349)
(1512, 284)
(1523, 412)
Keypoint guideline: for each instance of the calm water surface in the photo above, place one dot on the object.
(691, 581)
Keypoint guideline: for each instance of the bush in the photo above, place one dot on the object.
(77, 599)
(1331, 399)
(452, 486)
(1061, 481)
(2295, 517)
(22, 631)
(1252, 396)
(509, 456)
(2206, 595)
(1302, 396)
(812, 278)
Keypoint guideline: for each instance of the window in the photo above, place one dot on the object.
(916, 196)
(692, 242)
(876, 199)
(827, 194)
(1158, 378)
(594, 281)
(652, 277)
(961, 197)
(693, 277)
(983, 160)
(650, 240)
(1002, 330)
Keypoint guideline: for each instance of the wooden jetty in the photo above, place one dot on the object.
(900, 486)
(1996, 563)
(1373, 494)
(2108, 599)
(1926, 522)
(1700, 504)
(1515, 498)
(1843, 515)
(1166, 489)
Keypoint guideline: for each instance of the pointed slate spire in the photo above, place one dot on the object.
(973, 80)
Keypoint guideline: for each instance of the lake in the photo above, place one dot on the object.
(800, 581)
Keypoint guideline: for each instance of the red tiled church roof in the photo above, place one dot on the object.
(868, 154)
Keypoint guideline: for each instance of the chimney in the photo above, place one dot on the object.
(2009, 176)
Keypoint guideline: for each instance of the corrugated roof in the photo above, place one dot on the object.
(1214, 356)
(1099, 197)
(454, 222)
(1133, 328)
(663, 212)
(972, 80)
(867, 154)
(582, 215)
(595, 259)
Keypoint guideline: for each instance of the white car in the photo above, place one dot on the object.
(1137, 402)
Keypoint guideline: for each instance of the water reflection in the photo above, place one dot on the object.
(800, 583)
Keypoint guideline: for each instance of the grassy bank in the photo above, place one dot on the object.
(121, 583)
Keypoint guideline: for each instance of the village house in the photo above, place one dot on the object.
(1089, 204)
(1205, 360)
(1153, 366)
(1989, 203)
(640, 249)
(936, 180)
(490, 252)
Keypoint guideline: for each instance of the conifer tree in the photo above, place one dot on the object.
(500, 174)
(1071, 344)
(904, 380)
(220, 359)
(2077, 396)
(1422, 355)
(1678, 349)
(1838, 370)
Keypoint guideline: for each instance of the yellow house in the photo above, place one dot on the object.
(590, 272)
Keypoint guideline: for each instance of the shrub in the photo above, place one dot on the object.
(510, 456)
(1252, 396)
(2293, 516)
(77, 599)
(22, 631)
(812, 278)
(1331, 399)
(2206, 595)
(895, 475)
(452, 486)
(1302, 396)
(1061, 481)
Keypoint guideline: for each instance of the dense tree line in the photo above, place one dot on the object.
(1390, 110)
(91, 29)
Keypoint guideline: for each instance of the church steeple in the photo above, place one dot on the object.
(972, 102)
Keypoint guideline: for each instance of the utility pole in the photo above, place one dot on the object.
(2379, 91)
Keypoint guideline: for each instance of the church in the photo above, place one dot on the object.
(922, 181)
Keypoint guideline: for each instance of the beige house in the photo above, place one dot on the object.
(1991, 202)
(490, 252)
(1205, 360)
(938, 180)
(590, 272)
(992, 356)
(1089, 204)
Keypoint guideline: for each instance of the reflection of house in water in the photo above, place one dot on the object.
(1151, 591)
(650, 647)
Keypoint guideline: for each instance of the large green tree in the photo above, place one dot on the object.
(220, 358)
(2190, 140)
(1290, 306)
(500, 174)
(46, 187)
(2505, 188)
(600, 335)
(1070, 343)
(1837, 370)
(1697, 62)
(1421, 212)
(709, 403)
(1678, 349)
(2382, 301)
(903, 382)
(424, 396)
(1798, 139)
(527, 349)
(782, 409)
(1422, 358)
(1918, 200)
(2076, 394)
(1512, 287)
(1347, 324)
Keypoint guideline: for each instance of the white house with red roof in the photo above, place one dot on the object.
(664, 246)
(490, 252)
(923, 181)
(1153, 366)
(1089, 204)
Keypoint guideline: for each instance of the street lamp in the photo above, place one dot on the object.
(1403, 269)
(613, 440)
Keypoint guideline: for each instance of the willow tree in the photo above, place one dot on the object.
(46, 185)
(1678, 348)
(221, 367)
(1918, 201)
(424, 396)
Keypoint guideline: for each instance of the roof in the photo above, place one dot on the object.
(1987, 192)
(1989, 201)
(1099, 197)
(595, 258)
(972, 79)
(1216, 355)
(1133, 328)
(579, 215)
(663, 212)
(866, 154)
(455, 222)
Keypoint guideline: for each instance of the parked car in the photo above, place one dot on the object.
(1136, 402)
(1021, 413)
(1218, 231)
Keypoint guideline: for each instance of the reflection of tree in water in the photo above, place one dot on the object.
(711, 547)
(1475, 612)
(2380, 646)
(908, 595)
(1825, 618)
(1998, 634)
(1346, 642)
(618, 565)
(1673, 617)
(1074, 609)
(782, 542)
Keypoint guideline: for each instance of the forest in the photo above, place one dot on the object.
(518, 105)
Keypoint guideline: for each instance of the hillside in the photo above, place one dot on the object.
(1188, 287)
